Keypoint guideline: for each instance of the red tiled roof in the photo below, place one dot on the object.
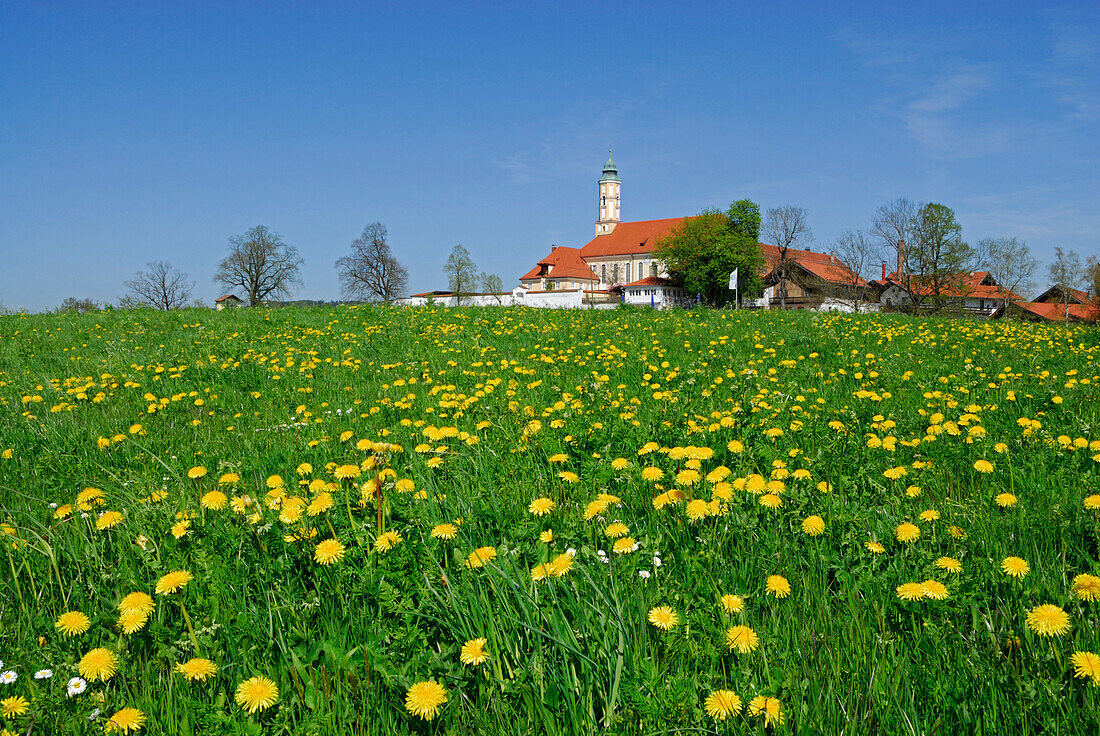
(630, 238)
(650, 281)
(1077, 296)
(1054, 312)
(977, 285)
(562, 263)
(227, 296)
(823, 265)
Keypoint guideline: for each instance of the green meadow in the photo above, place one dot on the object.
(509, 521)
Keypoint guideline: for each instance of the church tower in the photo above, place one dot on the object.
(609, 198)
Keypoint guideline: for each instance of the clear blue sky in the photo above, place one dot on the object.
(131, 132)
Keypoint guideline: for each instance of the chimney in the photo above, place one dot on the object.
(884, 270)
(901, 258)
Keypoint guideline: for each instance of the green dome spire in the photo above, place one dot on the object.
(610, 173)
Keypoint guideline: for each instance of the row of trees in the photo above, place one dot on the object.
(922, 242)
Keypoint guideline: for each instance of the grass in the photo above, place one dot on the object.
(467, 416)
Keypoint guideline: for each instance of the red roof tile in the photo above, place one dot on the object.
(823, 265)
(630, 238)
(1054, 312)
(562, 263)
(650, 281)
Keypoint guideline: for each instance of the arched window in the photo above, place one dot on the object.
(628, 273)
(653, 269)
(603, 273)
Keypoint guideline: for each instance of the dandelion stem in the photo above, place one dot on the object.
(190, 628)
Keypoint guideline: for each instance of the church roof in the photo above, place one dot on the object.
(630, 238)
(610, 172)
(562, 263)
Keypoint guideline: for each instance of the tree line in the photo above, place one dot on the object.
(922, 243)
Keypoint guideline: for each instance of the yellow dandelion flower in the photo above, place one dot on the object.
(256, 693)
(1086, 664)
(387, 541)
(874, 547)
(652, 474)
(1048, 620)
(321, 503)
(624, 545)
(229, 479)
(732, 603)
(1005, 500)
(561, 564)
(616, 530)
(108, 519)
(1092, 503)
(197, 669)
(346, 472)
(196, 472)
(934, 589)
(72, 623)
(769, 708)
(12, 707)
(137, 601)
(910, 591)
(1087, 587)
(425, 698)
(696, 510)
(1017, 567)
(480, 557)
(444, 531)
(173, 581)
(329, 551)
(98, 664)
(771, 501)
(125, 721)
(778, 586)
(813, 526)
(950, 564)
(983, 466)
(541, 506)
(569, 476)
(473, 652)
(907, 532)
(215, 500)
(547, 536)
(721, 704)
(620, 463)
(132, 621)
(742, 639)
(540, 572)
(180, 529)
(663, 617)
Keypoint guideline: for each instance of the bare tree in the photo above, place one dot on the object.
(855, 250)
(260, 264)
(371, 272)
(1092, 277)
(161, 286)
(492, 284)
(786, 227)
(892, 227)
(1010, 263)
(1066, 273)
(462, 274)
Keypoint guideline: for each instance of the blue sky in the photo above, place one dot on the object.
(132, 132)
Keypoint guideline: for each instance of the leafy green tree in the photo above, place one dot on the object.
(938, 258)
(700, 253)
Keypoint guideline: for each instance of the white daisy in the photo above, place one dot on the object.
(8, 677)
(43, 674)
(76, 686)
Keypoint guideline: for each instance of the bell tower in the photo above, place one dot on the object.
(609, 197)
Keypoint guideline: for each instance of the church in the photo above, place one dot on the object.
(618, 266)
(618, 258)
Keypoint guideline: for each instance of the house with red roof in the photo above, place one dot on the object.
(1056, 304)
(975, 293)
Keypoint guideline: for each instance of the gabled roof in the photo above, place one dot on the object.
(562, 263)
(650, 281)
(976, 285)
(630, 238)
(1054, 312)
(226, 297)
(825, 266)
(1054, 294)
